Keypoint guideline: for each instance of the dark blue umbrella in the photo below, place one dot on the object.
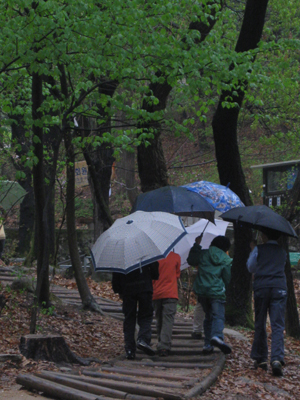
(259, 217)
(175, 200)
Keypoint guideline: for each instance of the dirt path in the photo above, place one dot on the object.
(16, 393)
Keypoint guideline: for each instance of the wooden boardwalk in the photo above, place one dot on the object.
(184, 374)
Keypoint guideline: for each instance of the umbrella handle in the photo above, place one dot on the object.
(205, 227)
(201, 234)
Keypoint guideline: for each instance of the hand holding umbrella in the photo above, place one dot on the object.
(199, 238)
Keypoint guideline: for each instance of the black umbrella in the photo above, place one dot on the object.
(175, 200)
(258, 217)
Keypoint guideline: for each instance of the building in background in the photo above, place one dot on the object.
(278, 179)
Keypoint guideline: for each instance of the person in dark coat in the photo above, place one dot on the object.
(267, 263)
(135, 288)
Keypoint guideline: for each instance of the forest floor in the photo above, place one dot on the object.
(89, 334)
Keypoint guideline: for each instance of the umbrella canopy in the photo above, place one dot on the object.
(175, 200)
(258, 217)
(11, 194)
(136, 240)
(211, 231)
(220, 197)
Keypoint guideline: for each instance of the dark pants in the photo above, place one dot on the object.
(214, 319)
(270, 300)
(2, 242)
(137, 307)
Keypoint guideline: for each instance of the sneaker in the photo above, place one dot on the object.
(130, 355)
(277, 368)
(163, 352)
(261, 364)
(207, 349)
(145, 348)
(196, 335)
(225, 348)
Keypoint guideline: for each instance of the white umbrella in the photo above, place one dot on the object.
(136, 240)
(211, 231)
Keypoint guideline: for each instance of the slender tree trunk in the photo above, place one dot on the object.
(290, 213)
(100, 161)
(84, 291)
(239, 294)
(42, 287)
(26, 225)
(230, 166)
(27, 207)
(125, 173)
(52, 142)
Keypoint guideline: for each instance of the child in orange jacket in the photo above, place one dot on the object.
(165, 298)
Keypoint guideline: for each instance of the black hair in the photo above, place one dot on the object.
(271, 233)
(222, 242)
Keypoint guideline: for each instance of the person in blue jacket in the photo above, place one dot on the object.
(267, 262)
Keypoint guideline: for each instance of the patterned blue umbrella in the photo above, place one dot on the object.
(219, 196)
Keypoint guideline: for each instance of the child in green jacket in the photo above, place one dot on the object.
(214, 273)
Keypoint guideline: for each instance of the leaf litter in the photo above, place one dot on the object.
(88, 334)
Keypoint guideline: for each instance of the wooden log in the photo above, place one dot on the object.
(10, 357)
(122, 378)
(75, 383)
(177, 354)
(54, 390)
(49, 348)
(135, 389)
(139, 372)
(170, 364)
(195, 344)
(209, 380)
(92, 386)
(180, 358)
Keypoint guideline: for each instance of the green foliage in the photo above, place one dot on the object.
(136, 44)
(83, 207)
(86, 42)
(47, 310)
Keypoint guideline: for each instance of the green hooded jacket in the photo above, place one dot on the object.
(214, 271)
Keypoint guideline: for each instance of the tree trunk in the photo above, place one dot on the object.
(84, 291)
(151, 162)
(48, 348)
(229, 163)
(27, 207)
(239, 293)
(125, 173)
(26, 224)
(52, 141)
(290, 212)
(292, 325)
(100, 167)
(42, 289)
(100, 161)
